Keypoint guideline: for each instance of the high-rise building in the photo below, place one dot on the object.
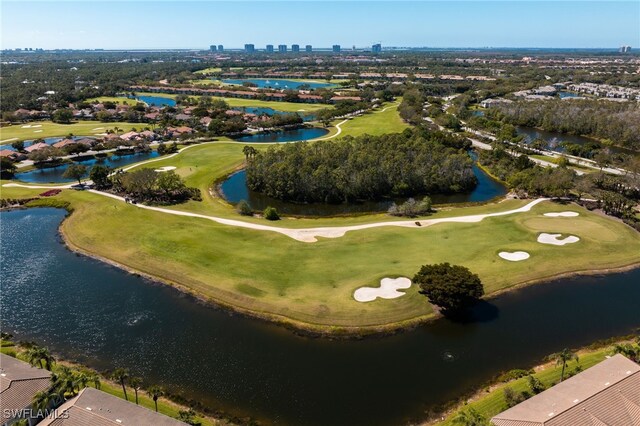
(308, 48)
(376, 48)
(249, 48)
(282, 48)
(220, 48)
(213, 48)
(336, 48)
(625, 49)
(270, 48)
(295, 48)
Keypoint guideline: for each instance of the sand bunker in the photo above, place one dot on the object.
(555, 240)
(388, 290)
(26, 126)
(514, 256)
(562, 214)
(37, 131)
(99, 128)
(165, 169)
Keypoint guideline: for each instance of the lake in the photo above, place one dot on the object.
(270, 111)
(234, 189)
(158, 101)
(54, 174)
(553, 139)
(93, 313)
(292, 135)
(280, 83)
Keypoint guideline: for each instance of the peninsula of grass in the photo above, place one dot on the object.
(311, 285)
(377, 122)
(48, 129)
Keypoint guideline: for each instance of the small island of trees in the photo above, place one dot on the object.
(362, 168)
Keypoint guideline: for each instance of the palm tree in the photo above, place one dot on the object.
(121, 375)
(156, 392)
(470, 417)
(136, 384)
(95, 379)
(562, 358)
(43, 400)
(64, 382)
(626, 349)
(82, 380)
(40, 357)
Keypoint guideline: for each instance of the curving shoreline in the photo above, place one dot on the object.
(314, 329)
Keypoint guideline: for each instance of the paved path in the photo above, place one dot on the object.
(307, 235)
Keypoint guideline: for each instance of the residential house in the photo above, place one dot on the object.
(35, 147)
(19, 383)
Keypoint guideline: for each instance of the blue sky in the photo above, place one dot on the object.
(196, 24)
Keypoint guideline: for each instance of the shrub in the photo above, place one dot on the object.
(244, 208)
(51, 193)
(513, 375)
(270, 213)
(411, 208)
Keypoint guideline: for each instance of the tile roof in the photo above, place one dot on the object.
(19, 382)
(605, 394)
(96, 408)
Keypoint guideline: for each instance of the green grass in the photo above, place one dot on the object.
(492, 401)
(275, 276)
(210, 70)
(237, 102)
(165, 406)
(375, 123)
(115, 99)
(50, 129)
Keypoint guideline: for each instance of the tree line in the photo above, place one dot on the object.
(362, 168)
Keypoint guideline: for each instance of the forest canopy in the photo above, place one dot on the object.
(363, 168)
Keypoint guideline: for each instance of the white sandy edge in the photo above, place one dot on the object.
(514, 256)
(388, 290)
(562, 214)
(307, 235)
(8, 140)
(554, 239)
(37, 131)
(165, 169)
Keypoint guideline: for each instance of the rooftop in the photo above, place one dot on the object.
(19, 382)
(605, 394)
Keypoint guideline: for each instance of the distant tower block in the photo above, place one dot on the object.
(282, 48)
(249, 48)
(308, 48)
(213, 48)
(336, 48)
(270, 48)
(295, 48)
(376, 48)
(220, 48)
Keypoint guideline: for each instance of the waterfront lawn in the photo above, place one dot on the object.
(312, 284)
(115, 99)
(253, 103)
(49, 129)
(385, 120)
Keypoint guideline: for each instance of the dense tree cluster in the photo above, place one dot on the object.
(618, 122)
(363, 168)
(153, 187)
(453, 288)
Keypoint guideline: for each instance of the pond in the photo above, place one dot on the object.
(279, 83)
(292, 135)
(158, 101)
(270, 111)
(93, 313)
(234, 189)
(54, 174)
(553, 139)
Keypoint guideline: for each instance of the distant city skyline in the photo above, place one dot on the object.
(199, 24)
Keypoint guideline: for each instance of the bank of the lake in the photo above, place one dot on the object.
(251, 368)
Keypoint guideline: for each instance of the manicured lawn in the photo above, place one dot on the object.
(237, 102)
(493, 402)
(375, 123)
(46, 129)
(115, 99)
(211, 70)
(273, 275)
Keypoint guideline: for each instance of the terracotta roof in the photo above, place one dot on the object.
(8, 153)
(19, 382)
(605, 394)
(63, 143)
(96, 408)
(36, 146)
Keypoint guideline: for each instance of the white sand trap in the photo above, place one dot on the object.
(8, 140)
(301, 110)
(165, 169)
(36, 125)
(37, 131)
(26, 126)
(514, 256)
(388, 290)
(555, 240)
(98, 128)
(562, 214)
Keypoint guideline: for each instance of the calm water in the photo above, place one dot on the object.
(302, 134)
(158, 101)
(54, 174)
(235, 189)
(279, 83)
(270, 111)
(96, 314)
(553, 139)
